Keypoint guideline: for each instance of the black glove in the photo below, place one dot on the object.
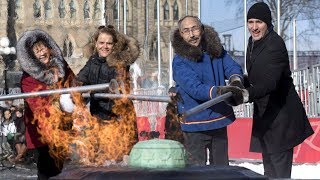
(236, 81)
(237, 94)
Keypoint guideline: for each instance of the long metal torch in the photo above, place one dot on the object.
(206, 105)
(152, 98)
(87, 88)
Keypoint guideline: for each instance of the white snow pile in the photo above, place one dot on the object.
(299, 171)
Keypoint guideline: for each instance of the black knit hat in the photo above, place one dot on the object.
(260, 11)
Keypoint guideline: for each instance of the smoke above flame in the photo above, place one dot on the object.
(84, 139)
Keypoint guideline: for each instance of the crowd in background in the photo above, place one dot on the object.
(12, 135)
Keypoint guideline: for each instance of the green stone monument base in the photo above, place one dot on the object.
(158, 153)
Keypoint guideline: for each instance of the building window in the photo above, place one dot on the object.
(165, 10)
(115, 9)
(86, 10)
(127, 9)
(155, 9)
(73, 9)
(36, 9)
(47, 7)
(67, 48)
(175, 11)
(62, 9)
(97, 9)
(18, 8)
(70, 49)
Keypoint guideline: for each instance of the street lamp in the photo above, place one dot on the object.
(4, 47)
(5, 50)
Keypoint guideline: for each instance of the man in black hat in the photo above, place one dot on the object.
(279, 120)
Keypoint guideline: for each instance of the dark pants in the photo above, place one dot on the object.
(196, 144)
(278, 165)
(47, 166)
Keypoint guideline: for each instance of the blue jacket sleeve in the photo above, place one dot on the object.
(189, 81)
(231, 67)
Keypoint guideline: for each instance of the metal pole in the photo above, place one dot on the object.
(186, 7)
(278, 17)
(118, 14)
(103, 20)
(206, 105)
(199, 9)
(152, 98)
(170, 65)
(245, 35)
(147, 21)
(125, 16)
(295, 61)
(158, 31)
(96, 87)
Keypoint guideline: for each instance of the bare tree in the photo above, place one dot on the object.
(290, 9)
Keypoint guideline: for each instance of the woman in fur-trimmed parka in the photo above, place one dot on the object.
(113, 54)
(43, 69)
(200, 67)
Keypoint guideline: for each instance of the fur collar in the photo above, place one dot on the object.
(34, 67)
(210, 42)
(125, 51)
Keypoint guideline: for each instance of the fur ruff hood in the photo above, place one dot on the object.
(125, 51)
(210, 42)
(34, 67)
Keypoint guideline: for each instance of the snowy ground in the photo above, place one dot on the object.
(8, 171)
(299, 171)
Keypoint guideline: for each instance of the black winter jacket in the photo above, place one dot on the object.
(279, 119)
(97, 71)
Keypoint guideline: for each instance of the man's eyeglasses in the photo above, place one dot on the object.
(194, 29)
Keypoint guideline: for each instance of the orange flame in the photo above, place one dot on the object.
(82, 138)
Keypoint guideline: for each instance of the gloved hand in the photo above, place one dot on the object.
(66, 103)
(114, 86)
(237, 94)
(236, 81)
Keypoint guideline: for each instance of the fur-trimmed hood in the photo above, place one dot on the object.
(34, 67)
(125, 51)
(210, 42)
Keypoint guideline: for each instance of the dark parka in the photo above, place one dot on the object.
(279, 118)
(101, 70)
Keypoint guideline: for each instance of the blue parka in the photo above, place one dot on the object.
(197, 73)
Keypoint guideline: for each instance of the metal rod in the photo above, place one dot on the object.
(206, 105)
(159, 43)
(245, 35)
(87, 88)
(131, 96)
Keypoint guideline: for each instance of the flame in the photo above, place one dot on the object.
(81, 137)
(173, 129)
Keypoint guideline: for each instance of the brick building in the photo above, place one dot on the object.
(72, 22)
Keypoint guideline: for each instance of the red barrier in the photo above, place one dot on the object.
(144, 128)
(239, 134)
